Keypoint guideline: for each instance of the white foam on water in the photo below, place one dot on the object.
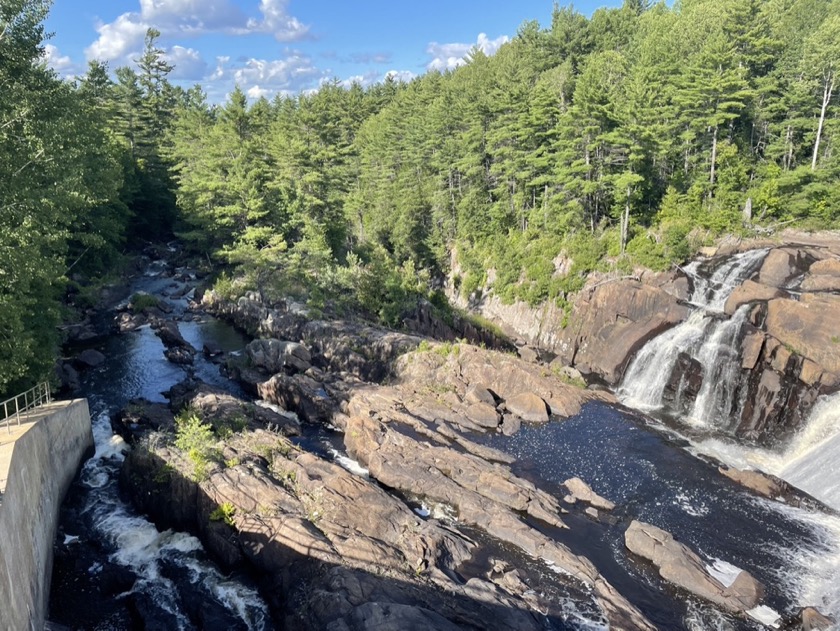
(444, 512)
(108, 444)
(724, 572)
(703, 617)
(765, 615)
(243, 601)
(811, 570)
(811, 461)
(179, 541)
(346, 462)
(689, 505)
(235, 597)
(277, 409)
(580, 619)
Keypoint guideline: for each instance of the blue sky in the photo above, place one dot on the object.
(286, 46)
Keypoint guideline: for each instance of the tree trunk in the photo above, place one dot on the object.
(714, 157)
(625, 221)
(827, 93)
(545, 208)
(789, 147)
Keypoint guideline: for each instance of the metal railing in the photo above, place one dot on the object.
(21, 404)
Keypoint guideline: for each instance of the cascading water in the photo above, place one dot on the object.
(706, 337)
(811, 460)
(114, 569)
(813, 464)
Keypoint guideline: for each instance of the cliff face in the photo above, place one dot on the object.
(789, 350)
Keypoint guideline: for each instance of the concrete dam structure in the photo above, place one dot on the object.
(38, 460)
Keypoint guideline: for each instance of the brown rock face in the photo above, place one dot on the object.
(609, 327)
(821, 283)
(750, 291)
(751, 350)
(580, 490)
(483, 414)
(826, 267)
(761, 483)
(813, 620)
(782, 265)
(680, 565)
(529, 407)
(810, 327)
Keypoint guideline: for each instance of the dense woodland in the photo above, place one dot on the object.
(603, 143)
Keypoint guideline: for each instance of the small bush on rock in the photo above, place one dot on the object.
(196, 439)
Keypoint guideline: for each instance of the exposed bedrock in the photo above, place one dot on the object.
(788, 350)
(680, 565)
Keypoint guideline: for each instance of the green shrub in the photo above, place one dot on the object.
(196, 440)
(224, 287)
(224, 512)
(141, 302)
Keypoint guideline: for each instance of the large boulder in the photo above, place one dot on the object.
(89, 358)
(678, 564)
(821, 282)
(581, 491)
(614, 322)
(750, 291)
(473, 375)
(275, 355)
(529, 407)
(783, 265)
(812, 620)
(826, 267)
(170, 334)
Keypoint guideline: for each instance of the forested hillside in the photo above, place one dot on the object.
(628, 138)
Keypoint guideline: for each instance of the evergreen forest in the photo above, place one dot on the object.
(606, 143)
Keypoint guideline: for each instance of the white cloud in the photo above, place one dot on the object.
(118, 39)
(189, 65)
(62, 64)
(277, 21)
(219, 72)
(123, 38)
(187, 16)
(402, 76)
(292, 73)
(256, 92)
(450, 56)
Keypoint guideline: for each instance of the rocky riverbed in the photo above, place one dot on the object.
(362, 478)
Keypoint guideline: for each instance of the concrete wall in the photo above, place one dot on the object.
(44, 463)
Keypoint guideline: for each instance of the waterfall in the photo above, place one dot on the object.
(706, 338)
(719, 356)
(812, 462)
(646, 378)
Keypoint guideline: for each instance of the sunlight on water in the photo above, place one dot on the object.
(704, 336)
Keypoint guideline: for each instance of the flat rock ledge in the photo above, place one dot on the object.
(678, 564)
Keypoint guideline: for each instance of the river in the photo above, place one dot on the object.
(115, 570)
